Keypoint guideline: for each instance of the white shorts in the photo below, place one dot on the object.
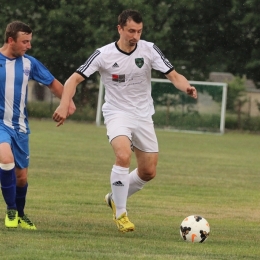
(139, 131)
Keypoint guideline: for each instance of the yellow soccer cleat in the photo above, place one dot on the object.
(109, 201)
(124, 224)
(26, 223)
(11, 218)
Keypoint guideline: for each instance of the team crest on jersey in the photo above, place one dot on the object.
(139, 62)
(118, 78)
(26, 71)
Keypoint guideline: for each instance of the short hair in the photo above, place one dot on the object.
(13, 28)
(127, 15)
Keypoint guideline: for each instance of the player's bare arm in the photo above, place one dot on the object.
(180, 82)
(62, 111)
(57, 88)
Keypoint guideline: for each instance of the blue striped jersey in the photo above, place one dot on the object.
(14, 76)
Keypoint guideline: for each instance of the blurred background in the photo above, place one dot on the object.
(205, 40)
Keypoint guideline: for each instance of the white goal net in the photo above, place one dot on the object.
(176, 111)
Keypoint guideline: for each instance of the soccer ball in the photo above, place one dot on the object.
(194, 228)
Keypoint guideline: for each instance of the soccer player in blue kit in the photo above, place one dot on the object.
(125, 68)
(16, 69)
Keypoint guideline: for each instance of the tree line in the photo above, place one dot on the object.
(196, 36)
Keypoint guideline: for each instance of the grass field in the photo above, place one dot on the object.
(215, 176)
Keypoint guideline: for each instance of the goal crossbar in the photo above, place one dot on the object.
(201, 83)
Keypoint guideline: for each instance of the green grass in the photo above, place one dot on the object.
(215, 176)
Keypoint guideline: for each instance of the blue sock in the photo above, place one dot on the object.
(20, 199)
(8, 186)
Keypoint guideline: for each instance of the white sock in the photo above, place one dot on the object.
(135, 183)
(119, 180)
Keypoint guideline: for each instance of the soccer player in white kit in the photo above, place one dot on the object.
(16, 69)
(125, 68)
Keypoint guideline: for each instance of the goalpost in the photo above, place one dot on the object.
(176, 111)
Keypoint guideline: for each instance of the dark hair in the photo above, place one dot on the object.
(127, 15)
(13, 28)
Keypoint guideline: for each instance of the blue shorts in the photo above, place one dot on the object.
(19, 143)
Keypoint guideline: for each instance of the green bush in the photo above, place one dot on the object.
(46, 109)
(187, 121)
(40, 109)
(231, 122)
(205, 122)
(251, 124)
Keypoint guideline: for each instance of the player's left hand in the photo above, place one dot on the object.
(191, 91)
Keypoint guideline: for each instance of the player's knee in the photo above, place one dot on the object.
(21, 177)
(148, 174)
(123, 159)
(6, 165)
(152, 174)
(21, 180)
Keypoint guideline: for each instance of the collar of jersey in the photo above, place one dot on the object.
(126, 53)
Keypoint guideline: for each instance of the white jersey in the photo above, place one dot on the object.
(127, 77)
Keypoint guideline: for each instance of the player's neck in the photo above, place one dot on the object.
(5, 51)
(125, 48)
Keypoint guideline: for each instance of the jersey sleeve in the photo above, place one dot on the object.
(160, 62)
(91, 65)
(39, 72)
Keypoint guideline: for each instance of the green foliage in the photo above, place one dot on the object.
(40, 109)
(86, 95)
(197, 37)
(167, 94)
(162, 119)
(251, 124)
(187, 121)
(46, 109)
(215, 176)
(236, 89)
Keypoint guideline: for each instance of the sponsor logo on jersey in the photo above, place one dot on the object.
(139, 62)
(26, 71)
(118, 78)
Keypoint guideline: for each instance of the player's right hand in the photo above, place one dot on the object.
(60, 115)
(191, 91)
